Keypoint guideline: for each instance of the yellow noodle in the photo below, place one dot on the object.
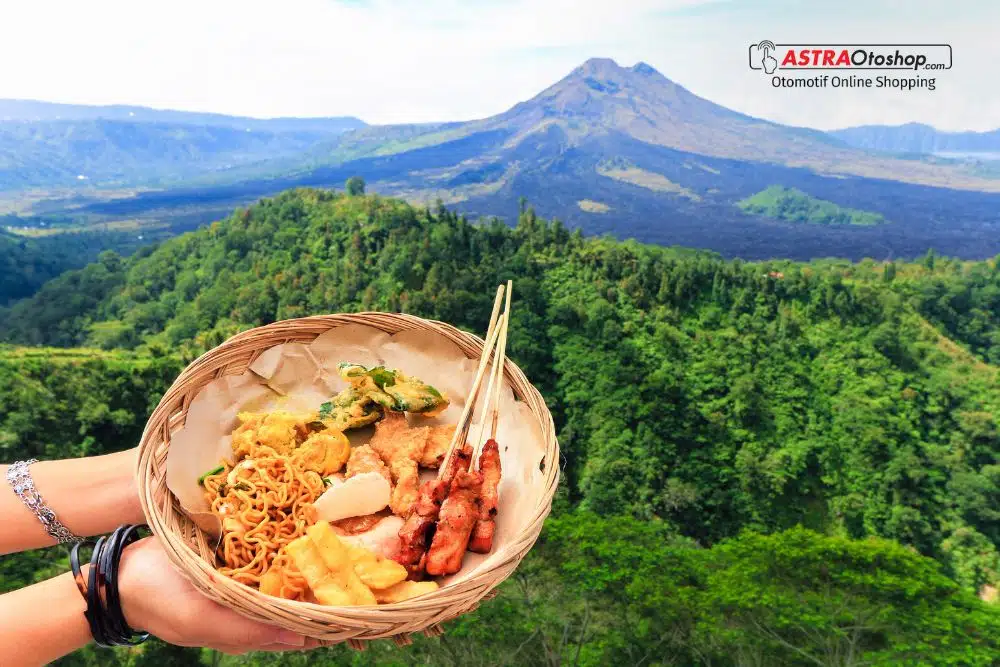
(268, 505)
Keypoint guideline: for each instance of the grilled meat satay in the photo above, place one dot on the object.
(489, 465)
(456, 520)
(459, 461)
(414, 536)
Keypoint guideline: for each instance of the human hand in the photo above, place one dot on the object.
(159, 600)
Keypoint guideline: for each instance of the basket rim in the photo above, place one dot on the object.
(336, 623)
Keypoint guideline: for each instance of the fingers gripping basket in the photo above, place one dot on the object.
(191, 550)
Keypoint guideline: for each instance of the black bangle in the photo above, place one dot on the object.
(104, 611)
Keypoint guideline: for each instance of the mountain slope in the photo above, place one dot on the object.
(918, 138)
(601, 98)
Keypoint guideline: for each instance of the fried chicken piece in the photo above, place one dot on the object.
(400, 446)
(407, 488)
(414, 536)
(395, 439)
(438, 439)
(489, 465)
(456, 520)
(365, 459)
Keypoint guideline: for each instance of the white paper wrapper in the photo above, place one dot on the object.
(294, 376)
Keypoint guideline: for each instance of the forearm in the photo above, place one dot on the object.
(90, 496)
(42, 622)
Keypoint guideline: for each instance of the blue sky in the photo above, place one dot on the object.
(425, 60)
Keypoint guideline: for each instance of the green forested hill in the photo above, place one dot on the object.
(818, 406)
(27, 263)
(793, 205)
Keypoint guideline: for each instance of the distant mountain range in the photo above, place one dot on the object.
(610, 149)
(46, 145)
(34, 111)
(917, 138)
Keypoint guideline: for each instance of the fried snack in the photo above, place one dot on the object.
(361, 495)
(364, 459)
(325, 452)
(351, 408)
(284, 580)
(413, 535)
(405, 590)
(337, 558)
(393, 390)
(325, 586)
(277, 430)
(457, 518)
(375, 571)
(438, 439)
(489, 465)
(400, 446)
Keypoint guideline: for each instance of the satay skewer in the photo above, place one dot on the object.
(466, 516)
(480, 539)
(420, 521)
(464, 422)
(491, 404)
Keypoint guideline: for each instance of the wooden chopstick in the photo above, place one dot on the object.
(491, 404)
(462, 431)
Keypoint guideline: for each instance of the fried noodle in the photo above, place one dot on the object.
(265, 503)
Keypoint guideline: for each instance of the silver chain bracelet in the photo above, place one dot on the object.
(19, 478)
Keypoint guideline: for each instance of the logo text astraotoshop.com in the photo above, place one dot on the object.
(769, 57)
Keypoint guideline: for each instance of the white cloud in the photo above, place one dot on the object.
(455, 59)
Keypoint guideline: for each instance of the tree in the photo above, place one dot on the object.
(835, 602)
(355, 186)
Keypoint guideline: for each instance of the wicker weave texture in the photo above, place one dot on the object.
(191, 552)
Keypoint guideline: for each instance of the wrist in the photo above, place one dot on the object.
(130, 585)
(128, 486)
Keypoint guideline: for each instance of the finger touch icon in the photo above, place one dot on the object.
(762, 56)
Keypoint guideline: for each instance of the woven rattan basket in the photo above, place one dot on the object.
(191, 552)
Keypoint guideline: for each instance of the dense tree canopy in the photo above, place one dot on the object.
(735, 435)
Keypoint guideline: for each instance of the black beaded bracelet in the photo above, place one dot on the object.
(104, 611)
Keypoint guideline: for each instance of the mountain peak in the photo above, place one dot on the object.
(600, 66)
(644, 69)
(602, 95)
(608, 68)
